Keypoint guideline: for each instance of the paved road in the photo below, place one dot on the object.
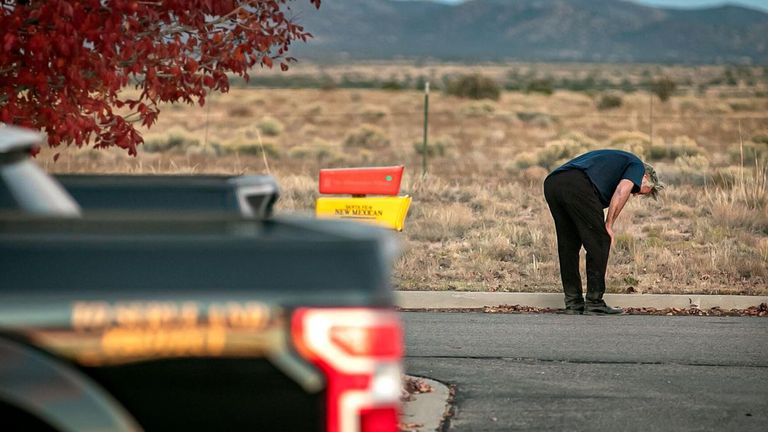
(561, 372)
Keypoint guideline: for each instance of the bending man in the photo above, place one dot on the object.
(577, 193)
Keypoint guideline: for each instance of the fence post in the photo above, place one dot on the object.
(426, 122)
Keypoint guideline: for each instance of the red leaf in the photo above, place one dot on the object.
(76, 59)
(8, 41)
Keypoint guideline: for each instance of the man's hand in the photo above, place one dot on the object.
(610, 233)
(620, 197)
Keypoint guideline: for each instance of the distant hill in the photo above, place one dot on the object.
(532, 30)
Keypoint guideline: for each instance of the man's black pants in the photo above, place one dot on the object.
(578, 215)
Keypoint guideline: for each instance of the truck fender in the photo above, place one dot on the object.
(57, 393)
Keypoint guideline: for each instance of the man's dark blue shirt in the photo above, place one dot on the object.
(606, 168)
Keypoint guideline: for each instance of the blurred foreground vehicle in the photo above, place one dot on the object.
(248, 196)
(188, 319)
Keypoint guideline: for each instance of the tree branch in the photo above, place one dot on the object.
(133, 117)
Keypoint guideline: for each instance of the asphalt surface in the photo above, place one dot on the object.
(562, 372)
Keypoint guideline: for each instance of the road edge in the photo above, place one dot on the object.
(468, 300)
(428, 410)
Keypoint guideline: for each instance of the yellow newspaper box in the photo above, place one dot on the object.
(389, 212)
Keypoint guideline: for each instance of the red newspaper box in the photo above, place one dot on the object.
(361, 181)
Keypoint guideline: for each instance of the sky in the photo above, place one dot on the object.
(755, 4)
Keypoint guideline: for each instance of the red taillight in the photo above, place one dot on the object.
(378, 342)
(379, 420)
(359, 351)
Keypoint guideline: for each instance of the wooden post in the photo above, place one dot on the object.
(426, 122)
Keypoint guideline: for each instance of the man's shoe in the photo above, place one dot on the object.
(601, 309)
(573, 311)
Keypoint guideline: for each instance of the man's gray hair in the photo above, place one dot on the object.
(656, 185)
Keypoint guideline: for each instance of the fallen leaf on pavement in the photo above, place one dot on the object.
(409, 427)
(416, 385)
(752, 311)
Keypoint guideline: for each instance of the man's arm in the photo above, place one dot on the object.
(619, 198)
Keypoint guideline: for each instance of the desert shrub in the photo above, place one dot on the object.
(543, 86)
(313, 110)
(535, 118)
(559, 151)
(760, 139)
(212, 149)
(725, 177)
(240, 111)
(478, 109)
(420, 82)
(609, 101)
(698, 162)
(474, 86)
(634, 142)
(176, 140)
(691, 170)
(690, 106)
(534, 175)
(373, 113)
(657, 152)
(319, 150)
(664, 88)
(439, 147)
(681, 146)
(393, 84)
(279, 81)
(359, 157)
(328, 83)
(684, 146)
(270, 126)
(742, 106)
(301, 152)
(556, 152)
(367, 137)
(753, 153)
(526, 160)
(634, 137)
(252, 148)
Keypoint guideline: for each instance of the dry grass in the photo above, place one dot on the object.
(479, 221)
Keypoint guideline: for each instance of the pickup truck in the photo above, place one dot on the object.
(246, 195)
(188, 320)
